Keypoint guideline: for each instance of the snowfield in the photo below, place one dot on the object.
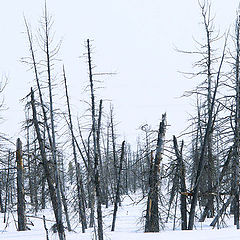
(129, 226)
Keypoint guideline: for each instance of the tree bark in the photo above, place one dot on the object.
(153, 221)
(96, 171)
(20, 188)
(181, 173)
(118, 188)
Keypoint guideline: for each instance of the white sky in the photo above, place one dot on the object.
(134, 38)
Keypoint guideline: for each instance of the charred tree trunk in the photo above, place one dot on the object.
(1, 200)
(118, 188)
(7, 192)
(96, 163)
(20, 189)
(150, 182)
(181, 173)
(237, 128)
(153, 221)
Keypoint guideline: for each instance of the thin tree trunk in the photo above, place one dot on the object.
(1, 200)
(81, 209)
(96, 172)
(7, 188)
(54, 150)
(65, 207)
(118, 187)
(223, 209)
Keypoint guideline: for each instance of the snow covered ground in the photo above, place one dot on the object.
(129, 226)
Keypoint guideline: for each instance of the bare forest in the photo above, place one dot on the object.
(77, 166)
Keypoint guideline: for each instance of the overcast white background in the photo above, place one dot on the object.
(134, 38)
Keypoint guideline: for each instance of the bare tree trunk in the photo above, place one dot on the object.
(215, 187)
(118, 187)
(237, 127)
(181, 172)
(20, 189)
(47, 26)
(54, 150)
(149, 204)
(96, 172)
(64, 201)
(153, 221)
(102, 183)
(31, 193)
(7, 188)
(223, 209)
(47, 171)
(45, 227)
(203, 148)
(1, 200)
(114, 150)
(43, 196)
(82, 214)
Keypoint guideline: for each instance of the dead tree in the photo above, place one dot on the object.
(49, 54)
(113, 147)
(202, 160)
(235, 179)
(152, 222)
(94, 135)
(181, 175)
(1, 200)
(81, 209)
(7, 192)
(65, 206)
(20, 188)
(50, 180)
(118, 187)
(225, 167)
(207, 70)
(103, 185)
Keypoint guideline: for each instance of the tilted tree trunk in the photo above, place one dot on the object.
(223, 209)
(81, 207)
(118, 187)
(53, 149)
(204, 147)
(47, 171)
(46, 48)
(221, 175)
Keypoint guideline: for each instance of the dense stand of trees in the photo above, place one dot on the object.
(77, 168)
